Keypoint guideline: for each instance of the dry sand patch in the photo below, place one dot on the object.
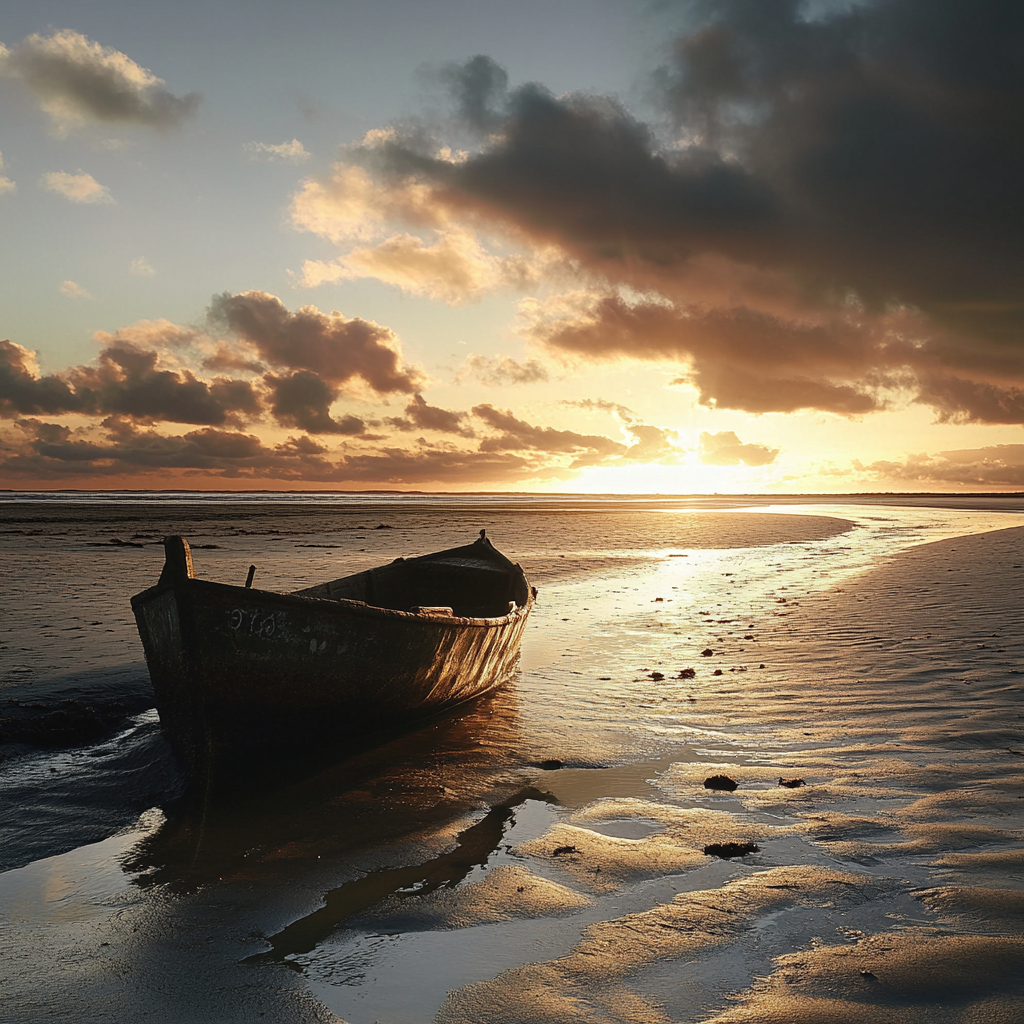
(906, 978)
(602, 862)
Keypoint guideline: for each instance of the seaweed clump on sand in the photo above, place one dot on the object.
(727, 850)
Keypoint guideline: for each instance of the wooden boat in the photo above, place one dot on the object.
(238, 671)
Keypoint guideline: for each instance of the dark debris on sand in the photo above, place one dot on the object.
(720, 782)
(727, 850)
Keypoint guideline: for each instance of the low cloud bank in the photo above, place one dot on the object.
(1000, 465)
(255, 364)
(296, 365)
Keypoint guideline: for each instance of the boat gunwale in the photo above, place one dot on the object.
(347, 605)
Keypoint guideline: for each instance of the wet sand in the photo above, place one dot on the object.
(448, 876)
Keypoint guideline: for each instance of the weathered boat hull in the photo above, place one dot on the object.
(238, 671)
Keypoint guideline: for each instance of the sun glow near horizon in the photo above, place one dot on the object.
(460, 258)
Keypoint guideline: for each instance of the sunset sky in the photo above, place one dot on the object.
(571, 245)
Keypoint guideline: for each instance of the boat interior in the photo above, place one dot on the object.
(452, 582)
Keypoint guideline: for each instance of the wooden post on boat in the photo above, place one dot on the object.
(177, 561)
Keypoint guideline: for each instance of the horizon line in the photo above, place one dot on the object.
(535, 494)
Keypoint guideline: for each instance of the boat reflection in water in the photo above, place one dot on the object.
(474, 846)
(390, 801)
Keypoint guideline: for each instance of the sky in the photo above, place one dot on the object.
(672, 246)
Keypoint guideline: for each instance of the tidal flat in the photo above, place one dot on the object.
(539, 856)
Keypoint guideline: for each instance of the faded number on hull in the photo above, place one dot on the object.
(256, 622)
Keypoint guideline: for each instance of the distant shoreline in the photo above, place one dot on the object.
(4, 491)
(1001, 501)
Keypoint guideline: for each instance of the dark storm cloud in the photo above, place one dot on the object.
(22, 393)
(126, 381)
(760, 362)
(479, 88)
(726, 449)
(870, 150)
(303, 400)
(724, 387)
(877, 149)
(584, 173)
(739, 359)
(76, 79)
(963, 401)
(419, 415)
(889, 133)
(336, 349)
(53, 441)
